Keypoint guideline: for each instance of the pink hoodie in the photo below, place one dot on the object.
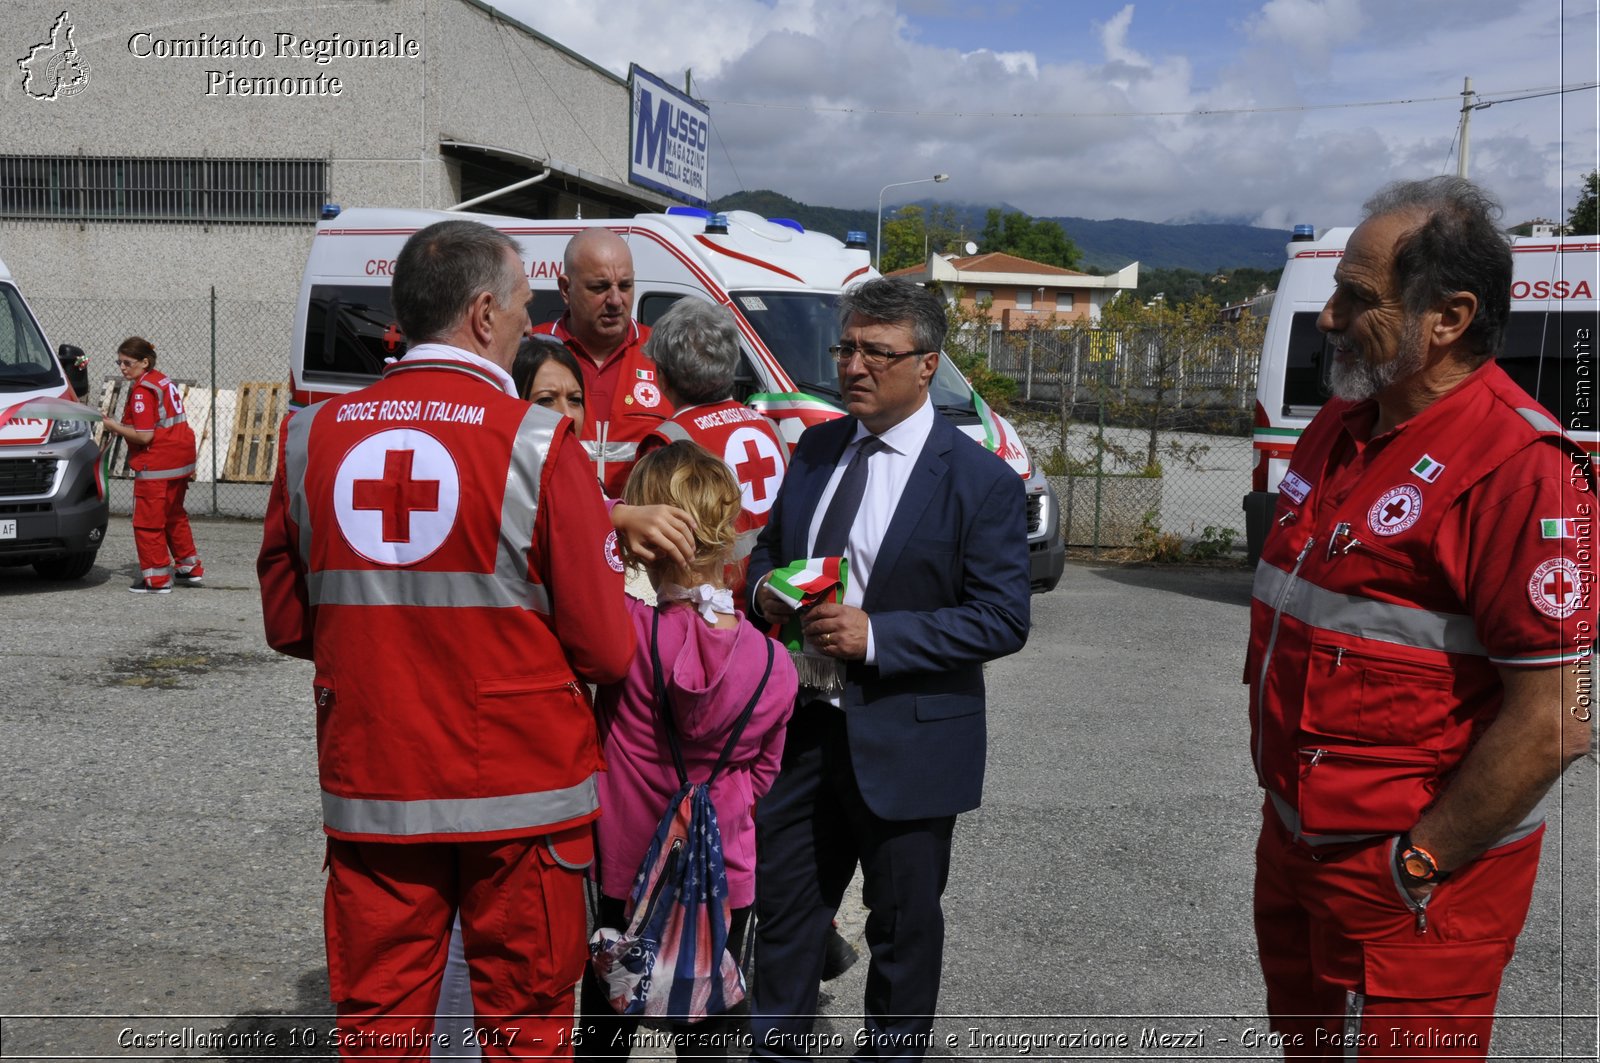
(710, 674)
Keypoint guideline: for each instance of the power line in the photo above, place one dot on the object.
(1206, 112)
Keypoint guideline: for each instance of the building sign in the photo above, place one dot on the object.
(670, 137)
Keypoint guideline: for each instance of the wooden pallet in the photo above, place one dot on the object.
(253, 453)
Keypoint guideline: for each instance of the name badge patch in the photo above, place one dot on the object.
(1295, 487)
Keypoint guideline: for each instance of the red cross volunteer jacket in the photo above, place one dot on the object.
(750, 445)
(440, 551)
(154, 406)
(622, 400)
(1402, 574)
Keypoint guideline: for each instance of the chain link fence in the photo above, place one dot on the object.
(234, 357)
(1145, 431)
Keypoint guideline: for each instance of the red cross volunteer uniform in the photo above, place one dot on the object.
(1402, 574)
(161, 472)
(752, 447)
(438, 548)
(622, 398)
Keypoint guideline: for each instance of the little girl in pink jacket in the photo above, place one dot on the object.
(712, 661)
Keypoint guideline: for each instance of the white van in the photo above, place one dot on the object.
(53, 507)
(1549, 349)
(781, 282)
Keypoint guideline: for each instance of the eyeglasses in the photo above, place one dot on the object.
(871, 357)
(129, 361)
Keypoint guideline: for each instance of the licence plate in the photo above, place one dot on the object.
(8, 529)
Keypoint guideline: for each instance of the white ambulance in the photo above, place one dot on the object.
(1549, 348)
(781, 282)
(53, 508)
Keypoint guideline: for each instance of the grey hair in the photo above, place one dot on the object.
(442, 269)
(695, 346)
(1456, 247)
(894, 301)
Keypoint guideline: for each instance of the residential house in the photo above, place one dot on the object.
(1021, 293)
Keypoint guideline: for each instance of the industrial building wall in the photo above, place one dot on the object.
(166, 79)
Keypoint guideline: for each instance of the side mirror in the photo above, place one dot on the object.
(76, 365)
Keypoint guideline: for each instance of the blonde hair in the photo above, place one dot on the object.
(687, 475)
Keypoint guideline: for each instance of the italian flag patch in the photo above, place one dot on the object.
(1556, 528)
(1427, 470)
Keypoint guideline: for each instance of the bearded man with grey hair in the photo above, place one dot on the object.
(1419, 648)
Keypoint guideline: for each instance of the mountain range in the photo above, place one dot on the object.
(1106, 245)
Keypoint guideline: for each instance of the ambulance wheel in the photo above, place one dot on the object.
(67, 566)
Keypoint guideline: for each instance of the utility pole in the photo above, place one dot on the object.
(1466, 124)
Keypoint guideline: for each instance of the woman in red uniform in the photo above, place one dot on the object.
(161, 453)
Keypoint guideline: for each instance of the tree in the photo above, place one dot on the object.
(913, 233)
(1036, 239)
(1585, 217)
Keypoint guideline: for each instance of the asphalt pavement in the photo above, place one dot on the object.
(161, 852)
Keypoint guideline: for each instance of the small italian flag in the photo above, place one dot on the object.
(811, 580)
(1427, 470)
(805, 583)
(1556, 528)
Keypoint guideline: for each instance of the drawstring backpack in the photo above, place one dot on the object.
(672, 961)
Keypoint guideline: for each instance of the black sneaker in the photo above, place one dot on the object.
(190, 579)
(144, 587)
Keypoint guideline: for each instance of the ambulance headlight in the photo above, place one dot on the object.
(61, 431)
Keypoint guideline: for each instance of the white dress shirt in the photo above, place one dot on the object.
(888, 470)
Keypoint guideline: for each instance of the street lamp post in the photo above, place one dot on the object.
(938, 178)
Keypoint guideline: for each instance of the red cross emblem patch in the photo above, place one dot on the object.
(1396, 511)
(395, 496)
(1556, 588)
(757, 465)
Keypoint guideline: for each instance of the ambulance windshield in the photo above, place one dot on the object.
(25, 361)
(799, 327)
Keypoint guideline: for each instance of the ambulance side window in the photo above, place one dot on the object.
(547, 305)
(1553, 357)
(1305, 371)
(350, 331)
(653, 304)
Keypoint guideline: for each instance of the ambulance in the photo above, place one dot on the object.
(53, 508)
(781, 282)
(1549, 348)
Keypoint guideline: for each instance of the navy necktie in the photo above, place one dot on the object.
(833, 534)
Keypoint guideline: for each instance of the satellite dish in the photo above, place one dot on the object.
(972, 248)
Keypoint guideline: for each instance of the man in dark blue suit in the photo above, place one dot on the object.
(875, 772)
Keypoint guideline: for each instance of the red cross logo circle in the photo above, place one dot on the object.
(395, 496)
(757, 465)
(1556, 588)
(1396, 511)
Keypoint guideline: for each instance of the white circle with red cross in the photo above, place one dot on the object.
(646, 394)
(395, 496)
(1556, 588)
(758, 466)
(1396, 511)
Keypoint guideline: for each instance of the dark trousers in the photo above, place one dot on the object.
(603, 1034)
(812, 830)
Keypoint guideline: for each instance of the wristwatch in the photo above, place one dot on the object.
(1416, 865)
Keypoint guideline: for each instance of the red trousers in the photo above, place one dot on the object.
(1353, 970)
(387, 916)
(161, 528)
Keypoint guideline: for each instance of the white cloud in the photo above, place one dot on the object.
(829, 100)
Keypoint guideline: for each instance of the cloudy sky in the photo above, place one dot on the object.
(1097, 108)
